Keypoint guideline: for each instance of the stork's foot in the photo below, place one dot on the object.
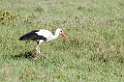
(36, 54)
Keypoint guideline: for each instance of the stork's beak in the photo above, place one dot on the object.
(65, 36)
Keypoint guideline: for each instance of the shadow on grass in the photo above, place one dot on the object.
(31, 55)
(27, 55)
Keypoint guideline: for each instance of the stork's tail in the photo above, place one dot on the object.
(31, 35)
(24, 37)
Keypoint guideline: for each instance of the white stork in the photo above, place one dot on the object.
(42, 36)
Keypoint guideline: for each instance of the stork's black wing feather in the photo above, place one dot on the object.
(32, 36)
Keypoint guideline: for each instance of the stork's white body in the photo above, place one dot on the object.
(47, 34)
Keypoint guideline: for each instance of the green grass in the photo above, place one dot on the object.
(93, 54)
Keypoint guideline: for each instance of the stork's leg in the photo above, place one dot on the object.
(38, 49)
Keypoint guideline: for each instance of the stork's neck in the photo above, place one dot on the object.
(55, 36)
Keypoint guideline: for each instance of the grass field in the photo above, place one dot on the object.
(95, 52)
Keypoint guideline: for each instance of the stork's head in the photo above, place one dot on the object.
(60, 31)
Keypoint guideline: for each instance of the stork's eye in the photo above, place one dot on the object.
(61, 31)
